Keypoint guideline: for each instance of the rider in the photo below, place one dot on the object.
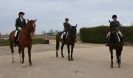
(67, 26)
(20, 23)
(114, 27)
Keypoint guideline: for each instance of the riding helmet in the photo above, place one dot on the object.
(67, 19)
(114, 16)
(21, 13)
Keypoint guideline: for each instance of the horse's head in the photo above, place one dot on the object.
(73, 31)
(32, 25)
(114, 37)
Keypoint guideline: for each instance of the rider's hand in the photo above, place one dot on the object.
(17, 28)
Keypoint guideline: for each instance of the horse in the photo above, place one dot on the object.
(70, 42)
(115, 44)
(25, 40)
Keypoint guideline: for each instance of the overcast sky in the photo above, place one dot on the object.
(50, 14)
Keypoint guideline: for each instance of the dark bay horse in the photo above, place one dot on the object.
(70, 42)
(114, 44)
(25, 40)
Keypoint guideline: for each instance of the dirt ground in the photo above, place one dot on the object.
(90, 61)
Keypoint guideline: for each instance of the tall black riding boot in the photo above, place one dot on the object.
(64, 37)
(15, 41)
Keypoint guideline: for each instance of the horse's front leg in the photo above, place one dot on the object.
(19, 50)
(29, 53)
(111, 52)
(62, 50)
(72, 47)
(118, 54)
(68, 47)
(23, 55)
(56, 53)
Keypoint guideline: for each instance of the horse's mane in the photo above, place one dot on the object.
(113, 38)
(29, 23)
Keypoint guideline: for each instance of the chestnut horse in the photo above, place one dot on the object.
(25, 40)
(70, 42)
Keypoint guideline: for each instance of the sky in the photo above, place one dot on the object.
(50, 14)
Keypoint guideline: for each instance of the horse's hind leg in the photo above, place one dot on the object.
(111, 52)
(72, 46)
(62, 50)
(12, 51)
(29, 53)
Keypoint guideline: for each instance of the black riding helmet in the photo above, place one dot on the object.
(66, 19)
(21, 13)
(114, 16)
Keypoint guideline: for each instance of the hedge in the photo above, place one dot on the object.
(98, 34)
(34, 41)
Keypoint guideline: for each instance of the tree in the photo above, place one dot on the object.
(56, 31)
(43, 32)
(51, 31)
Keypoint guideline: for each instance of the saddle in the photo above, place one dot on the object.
(64, 36)
(117, 37)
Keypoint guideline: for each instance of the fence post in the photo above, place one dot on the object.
(46, 41)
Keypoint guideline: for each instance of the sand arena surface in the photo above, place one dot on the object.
(90, 61)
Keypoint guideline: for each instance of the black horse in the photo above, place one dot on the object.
(70, 42)
(115, 44)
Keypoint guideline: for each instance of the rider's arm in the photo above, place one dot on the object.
(119, 26)
(24, 22)
(110, 27)
(16, 24)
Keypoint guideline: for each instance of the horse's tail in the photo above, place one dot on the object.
(11, 40)
(57, 42)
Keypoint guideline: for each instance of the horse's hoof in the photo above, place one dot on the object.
(13, 61)
(23, 65)
(112, 66)
(72, 59)
(30, 65)
(119, 66)
(62, 56)
(69, 59)
(56, 55)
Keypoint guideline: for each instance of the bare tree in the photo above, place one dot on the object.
(43, 33)
(51, 31)
(56, 31)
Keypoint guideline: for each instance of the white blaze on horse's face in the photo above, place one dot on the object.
(34, 25)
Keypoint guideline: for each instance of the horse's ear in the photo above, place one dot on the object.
(35, 20)
(109, 21)
(27, 20)
(76, 25)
